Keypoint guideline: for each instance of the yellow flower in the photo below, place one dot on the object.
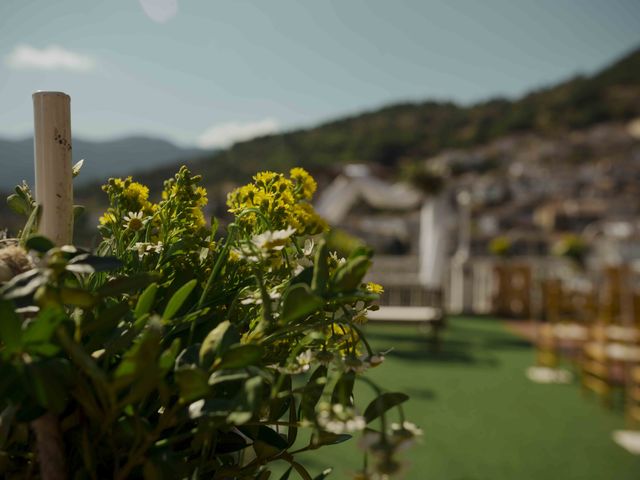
(306, 182)
(374, 288)
(107, 219)
(282, 201)
(201, 196)
(264, 178)
(198, 217)
(234, 256)
(136, 192)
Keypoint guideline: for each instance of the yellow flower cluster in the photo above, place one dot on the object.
(184, 198)
(181, 206)
(125, 195)
(304, 183)
(274, 202)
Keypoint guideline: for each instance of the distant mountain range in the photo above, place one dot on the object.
(102, 159)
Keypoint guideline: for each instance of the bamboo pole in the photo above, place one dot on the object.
(52, 148)
(54, 194)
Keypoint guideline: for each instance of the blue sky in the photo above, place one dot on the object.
(208, 71)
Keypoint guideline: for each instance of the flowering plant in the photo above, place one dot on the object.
(174, 353)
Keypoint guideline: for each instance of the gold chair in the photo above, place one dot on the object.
(512, 295)
(568, 315)
(614, 346)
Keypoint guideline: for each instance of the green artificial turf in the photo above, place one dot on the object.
(482, 418)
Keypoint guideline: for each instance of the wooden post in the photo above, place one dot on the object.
(54, 194)
(52, 148)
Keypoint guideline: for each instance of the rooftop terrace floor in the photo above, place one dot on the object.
(482, 418)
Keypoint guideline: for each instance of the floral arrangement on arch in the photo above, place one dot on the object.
(173, 352)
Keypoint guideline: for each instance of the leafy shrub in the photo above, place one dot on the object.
(172, 354)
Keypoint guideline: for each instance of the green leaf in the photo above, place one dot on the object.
(30, 225)
(281, 401)
(383, 403)
(18, 204)
(271, 437)
(349, 275)
(321, 269)
(328, 438)
(299, 302)
(145, 301)
(217, 342)
(229, 442)
(192, 383)
(129, 284)
(268, 442)
(49, 381)
(141, 357)
(10, 328)
(292, 430)
(168, 357)
(178, 299)
(361, 251)
(108, 319)
(343, 390)
(240, 356)
(87, 263)
(222, 376)
(77, 297)
(313, 391)
(39, 243)
(36, 337)
(247, 401)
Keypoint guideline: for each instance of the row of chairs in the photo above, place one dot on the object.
(597, 328)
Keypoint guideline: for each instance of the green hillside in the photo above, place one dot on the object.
(411, 131)
(418, 130)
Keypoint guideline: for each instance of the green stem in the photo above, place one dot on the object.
(218, 265)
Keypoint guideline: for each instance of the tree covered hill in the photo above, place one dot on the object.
(420, 130)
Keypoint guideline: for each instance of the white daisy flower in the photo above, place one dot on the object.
(273, 240)
(133, 221)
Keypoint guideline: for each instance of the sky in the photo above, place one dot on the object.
(210, 72)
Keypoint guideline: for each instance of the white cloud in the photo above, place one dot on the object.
(224, 135)
(51, 57)
(160, 11)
